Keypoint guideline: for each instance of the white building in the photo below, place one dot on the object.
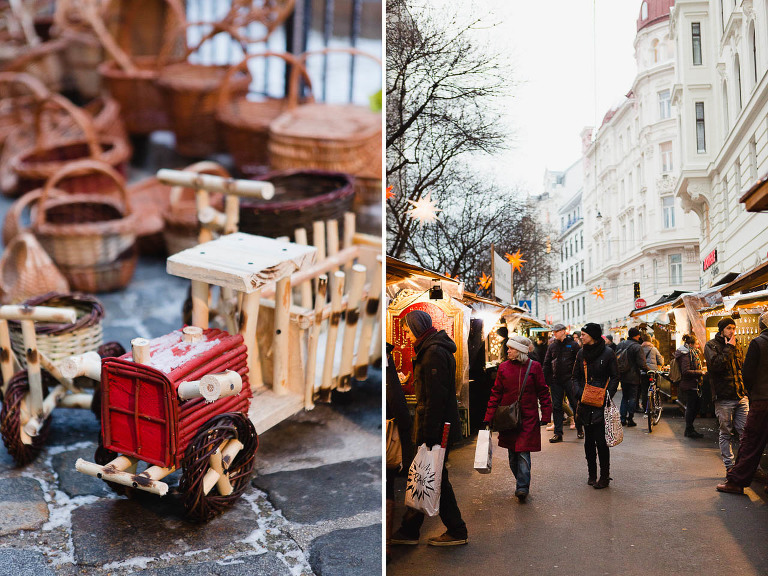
(571, 241)
(635, 229)
(721, 95)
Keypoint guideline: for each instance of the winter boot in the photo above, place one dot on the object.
(603, 482)
(592, 473)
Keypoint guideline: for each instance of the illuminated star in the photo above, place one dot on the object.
(485, 281)
(516, 260)
(390, 194)
(424, 209)
(557, 294)
(598, 293)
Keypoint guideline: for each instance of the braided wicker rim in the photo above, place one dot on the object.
(344, 190)
(89, 312)
(10, 419)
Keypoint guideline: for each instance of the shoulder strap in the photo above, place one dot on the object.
(525, 378)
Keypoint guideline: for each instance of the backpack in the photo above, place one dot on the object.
(675, 375)
(622, 358)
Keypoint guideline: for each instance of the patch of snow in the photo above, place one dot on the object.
(53, 450)
(140, 562)
(229, 562)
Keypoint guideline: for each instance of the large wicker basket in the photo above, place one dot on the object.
(301, 198)
(87, 233)
(59, 341)
(333, 137)
(244, 123)
(191, 95)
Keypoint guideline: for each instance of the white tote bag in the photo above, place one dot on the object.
(484, 452)
(614, 433)
(424, 476)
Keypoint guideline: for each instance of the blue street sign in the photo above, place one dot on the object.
(527, 304)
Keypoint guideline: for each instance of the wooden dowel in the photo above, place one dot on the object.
(215, 470)
(200, 304)
(6, 355)
(204, 209)
(38, 313)
(88, 364)
(81, 400)
(357, 280)
(332, 233)
(244, 188)
(140, 350)
(248, 319)
(111, 473)
(211, 220)
(349, 229)
(34, 375)
(229, 452)
(337, 289)
(232, 211)
(227, 307)
(376, 352)
(318, 239)
(370, 318)
(280, 346)
(192, 334)
(35, 422)
(322, 266)
(283, 238)
(314, 336)
(305, 287)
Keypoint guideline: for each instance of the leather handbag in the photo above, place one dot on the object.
(509, 417)
(394, 447)
(593, 395)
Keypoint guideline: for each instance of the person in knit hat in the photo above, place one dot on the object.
(434, 381)
(557, 365)
(755, 437)
(724, 362)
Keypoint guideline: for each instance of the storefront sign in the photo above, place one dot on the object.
(710, 259)
(502, 279)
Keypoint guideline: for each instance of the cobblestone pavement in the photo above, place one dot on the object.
(313, 506)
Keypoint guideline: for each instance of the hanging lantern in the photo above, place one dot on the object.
(485, 281)
(557, 295)
(516, 260)
(598, 293)
(424, 209)
(390, 194)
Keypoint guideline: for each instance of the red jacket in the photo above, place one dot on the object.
(506, 390)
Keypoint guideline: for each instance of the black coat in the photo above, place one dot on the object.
(636, 361)
(434, 380)
(690, 368)
(600, 369)
(397, 408)
(724, 367)
(558, 361)
(756, 368)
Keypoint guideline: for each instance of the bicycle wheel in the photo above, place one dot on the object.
(650, 409)
(657, 407)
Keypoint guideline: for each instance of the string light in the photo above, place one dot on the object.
(424, 209)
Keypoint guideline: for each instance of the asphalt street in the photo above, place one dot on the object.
(660, 515)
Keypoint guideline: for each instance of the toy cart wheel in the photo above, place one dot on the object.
(10, 419)
(108, 350)
(104, 456)
(200, 506)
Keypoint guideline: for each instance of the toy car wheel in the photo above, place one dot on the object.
(199, 505)
(14, 406)
(103, 456)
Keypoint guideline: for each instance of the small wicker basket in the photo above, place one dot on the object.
(27, 271)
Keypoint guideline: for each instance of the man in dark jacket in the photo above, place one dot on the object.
(724, 361)
(630, 378)
(558, 365)
(610, 343)
(434, 377)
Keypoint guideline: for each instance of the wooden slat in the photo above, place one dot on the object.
(370, 319)
(337, 289)
(357, 280)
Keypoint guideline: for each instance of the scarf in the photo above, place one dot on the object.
(593, 351)
(420, 339)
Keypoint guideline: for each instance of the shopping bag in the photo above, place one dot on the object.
(483, 452)
(394, 447)
(424, 476)
(614, 433)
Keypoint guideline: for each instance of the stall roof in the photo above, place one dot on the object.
(666, 302)
(397, 271)
(747, 281)
(756, 198)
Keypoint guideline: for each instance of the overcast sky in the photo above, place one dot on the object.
(551, 46)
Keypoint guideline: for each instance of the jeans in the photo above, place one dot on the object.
(449, 512)
(732, 416)
(557, 393)
(753, 442)
(596, 447)
(628, 398)
(691, 407)
(520, 464)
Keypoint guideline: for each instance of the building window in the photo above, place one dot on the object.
(726, 208)
(640, 229)
(655, 48)
(752, 160)
(737, 169)
(665, 105)
(701, 143)
(578, 311)
(668, 211)
(582, 272)
(632, 232)
(696, 39)
(726, 120)
(666, 156)
(643, 11)
(584, 304)
(753, 52)
(675, 269)
(737, 73)
(655, 276)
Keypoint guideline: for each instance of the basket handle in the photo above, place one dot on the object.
(266, 14)
(75, 169)
(216, 29)
(204, 167)
(38, 90)
(225, 93)
(81, 118)
(293, 89)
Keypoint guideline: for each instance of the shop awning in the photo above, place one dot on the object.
(666, 302)
(756, 198)
(747, 281)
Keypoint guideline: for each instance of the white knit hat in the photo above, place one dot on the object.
(519, 343)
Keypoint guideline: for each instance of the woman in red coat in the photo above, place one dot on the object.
(505, 391)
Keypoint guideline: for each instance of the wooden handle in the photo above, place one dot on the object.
(204, 167)
(245, 188)
(38, 313)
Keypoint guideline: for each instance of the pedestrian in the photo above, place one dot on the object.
(558, 364)
(532, 354)
(577, 338)
(692, 372)
(396, 409)
(541, 348)
(654, 360)
(724, 361)
(510, 378)
(755, 437)
(434, 374)
(610, 343)
(601, 370)
(630, 367)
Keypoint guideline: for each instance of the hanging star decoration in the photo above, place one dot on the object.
(448, 274)
(485, 281)
(424, 209)
(557, 295)
(390, 194)
(598, 292)
(516, 260)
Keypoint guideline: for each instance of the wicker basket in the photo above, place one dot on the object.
(18, 94)
(301, 198)
(244, 124)
(151, 199)
(337, 138)
(49, 155)
(60, 341)
(27, 271)
(83, 231)
(107, 277)
(191, 96)
(43, 61)
(12, 224)
(181, 226)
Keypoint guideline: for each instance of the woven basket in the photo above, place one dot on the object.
(27, 271)
(13, 223)
(107, 277)
(60, 341)
(43, 61)
(151, 199)
(244, 124)
(83, 231)
(52, 153)
(18, 94)
(301, 198)
(181, 226)
(191, 96)
(333, 137)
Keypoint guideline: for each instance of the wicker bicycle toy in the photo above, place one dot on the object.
(181, 401)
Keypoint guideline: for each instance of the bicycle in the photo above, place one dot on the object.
(653, 404)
